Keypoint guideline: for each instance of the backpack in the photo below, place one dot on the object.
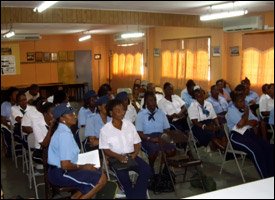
(161, 182)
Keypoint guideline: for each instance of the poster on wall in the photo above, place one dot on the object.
(8, 65)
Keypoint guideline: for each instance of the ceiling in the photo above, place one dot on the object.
(173, 7)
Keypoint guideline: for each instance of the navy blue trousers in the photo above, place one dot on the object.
(138, 191)
(260, 151)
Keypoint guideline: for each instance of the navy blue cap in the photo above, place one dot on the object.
(102, 100)
(122, 96)
(62, 109)
(90, 94)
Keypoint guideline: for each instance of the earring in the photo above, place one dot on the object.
(64, 122)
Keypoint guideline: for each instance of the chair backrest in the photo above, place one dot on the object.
(258, 113)
(31, 141)
(229, 144)
(81, 134)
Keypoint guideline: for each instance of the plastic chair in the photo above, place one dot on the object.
(16, 148)
(229, 149)
(272, 131)
(182, 162)
(192, 137)
(81, 135)
(32, 174)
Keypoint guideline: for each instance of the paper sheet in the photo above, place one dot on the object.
(240, 130)
(90, 157)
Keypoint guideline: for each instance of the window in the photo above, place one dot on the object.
(258, 59)
(186, 59)
(127, 64)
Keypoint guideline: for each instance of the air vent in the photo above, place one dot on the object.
(241, 24)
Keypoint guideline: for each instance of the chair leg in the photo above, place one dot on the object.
(241, 172)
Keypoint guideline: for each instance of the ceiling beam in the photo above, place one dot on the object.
(88, 16)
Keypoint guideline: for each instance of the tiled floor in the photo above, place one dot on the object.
(14, 182)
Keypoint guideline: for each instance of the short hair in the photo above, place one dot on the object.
(111, 104)
(46, 106)
(220, 80)
(212, 87)
(265, 87)
(146, 95)
(166, 85)
(7, 95)
(190, 83)
(34, 87)
(20, 93)
(270, 85)
(236, 96)
(59, 97)
(240, 88)
(104, 89)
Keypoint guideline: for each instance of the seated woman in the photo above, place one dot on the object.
(62, 158)
(120, 140)
(95, 123)
(131, 112)
(88, 109)
(206, 126)
(151, 123)
(219, 104)
(241, 121)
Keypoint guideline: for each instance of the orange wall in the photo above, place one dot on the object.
(232, 64)
(47, 72)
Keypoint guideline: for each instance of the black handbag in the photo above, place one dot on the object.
(117, 165)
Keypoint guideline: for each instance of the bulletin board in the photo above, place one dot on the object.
(10, 59)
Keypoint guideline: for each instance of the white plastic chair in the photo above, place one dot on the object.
(229, 149)
(32, 175)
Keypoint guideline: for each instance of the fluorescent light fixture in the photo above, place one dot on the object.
(45, 5)
(132, 35)
(86, 37)
(127, 45)
(9, 34)
(221, 15)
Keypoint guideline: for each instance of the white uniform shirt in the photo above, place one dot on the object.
(131, 113)
(169, 107)
(195, 111)
(15, 112)
(29, 96)
(263, 102)
(119, 141)
(158, 97)
(40, 131)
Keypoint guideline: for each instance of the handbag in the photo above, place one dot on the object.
(117, 165)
